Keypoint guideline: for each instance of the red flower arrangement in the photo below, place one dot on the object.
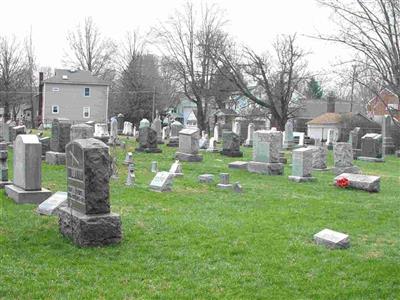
(342, 182)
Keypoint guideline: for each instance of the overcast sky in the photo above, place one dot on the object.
(253, 22)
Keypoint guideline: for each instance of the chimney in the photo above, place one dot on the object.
(330, 107)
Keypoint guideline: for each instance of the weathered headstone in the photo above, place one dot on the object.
(343, 159)
(148, 140)
(81, 131)
(157, 127)
(154, 167)
(332, 138)
(130, 178)
(231, 144)
(216, 133)
(204, 142)
(236, 128)
(176, 127)
(165, 133)
(45, 141)
(355, 141)
(224, 181)
(3, 165)
(367, 183)
(319, 158)
(27, 182)
(113, 131)
(302, 165)
(332, 239)
(206, 178)
(176, 169)
(144, 123)
(266, 153)
(237, 187)
(371, 148)
(88, 220)
(250, 132)
(51, 205)
(288, 141)
(101, 132)
(60, 137)
(189, 145)
(191, 120)
(238, 165)
(15, 131)
(120, 123)
(162, 182)
(387, 140)
(128, 159)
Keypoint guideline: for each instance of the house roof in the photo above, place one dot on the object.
(75, 77)
(327, 118)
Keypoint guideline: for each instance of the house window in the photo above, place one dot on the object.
(86, 112)
(55, 109)
(87, 92)
(55, 89)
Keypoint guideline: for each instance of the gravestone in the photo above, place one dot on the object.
(319, 159)
(128, 128)
(3, 165)
(176, 169)
(176, 127)
(101, 132)
(81, 131)
(27, 163)
(212, 146)
(87, 220)
(120, 123)
(236, 128)
(237, 187)
(189, 145)
(231, 144)
(51, 205)
(147, 140)
(266, 153)
(157, 127)
(302, 165)
(343, 159)
(154, 167)
(216, 133)
(288, 141)
(165, 133)
(355, 141)
(15, 131)
(130, 178)
(45, 141)
(371, 148)
(144, 123)
(128, 159)
(238, 165)
(250, 132)
(367, 183)
(387, 140)
(162, 182)
(332, 239)
(60, 137)
(331, 139)
(206, 178)
(224, 181)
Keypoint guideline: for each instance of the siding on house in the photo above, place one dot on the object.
(71, 100)
(378, 108)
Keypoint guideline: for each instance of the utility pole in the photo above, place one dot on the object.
(154, 102)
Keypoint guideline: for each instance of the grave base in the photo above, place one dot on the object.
(371, 159)
(188, 157)
(213, 150)
(332, 239)
(90, 230)
(148, 150)
(322, 170)
(361, 182)
(4, 183)
(238, 165)
(21, 196)
(173, 142)
(55, 158)
(352, 169)
(224, 186)
(265, 168)
(231, 153)
(301, 179)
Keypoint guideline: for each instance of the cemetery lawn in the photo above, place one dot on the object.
(204, 243)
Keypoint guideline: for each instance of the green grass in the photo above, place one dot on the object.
(204, 243)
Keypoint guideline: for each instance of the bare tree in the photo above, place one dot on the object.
(90, 50)
(12, 79)
(372, 29)
(30, 74)
(187, 40)
(268, 80)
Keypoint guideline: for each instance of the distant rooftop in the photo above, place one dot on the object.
(75, 77)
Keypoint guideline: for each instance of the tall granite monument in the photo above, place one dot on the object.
(60, 137)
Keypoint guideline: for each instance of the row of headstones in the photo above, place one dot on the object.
(9, 131)
(86, 218)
